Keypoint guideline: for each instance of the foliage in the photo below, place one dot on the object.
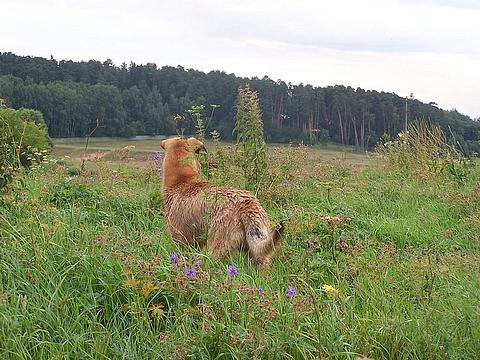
(424, 150)
(23, 138)
(250, 142)
(142, 99)
(70, 193)
(197, 112)
(73, 171)
(218, 157)
(288, 161)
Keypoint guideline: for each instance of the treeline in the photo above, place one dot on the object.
(143, 100)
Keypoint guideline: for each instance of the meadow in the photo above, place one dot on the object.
(375, 263)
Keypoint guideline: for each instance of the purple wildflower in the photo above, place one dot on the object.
(286, 182)
(198, 263)
(291, 292)
(155, 156)
(260, 291)
(232, 271)
(173, 258)
(191, 273)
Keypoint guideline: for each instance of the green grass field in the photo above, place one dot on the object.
(384, 265)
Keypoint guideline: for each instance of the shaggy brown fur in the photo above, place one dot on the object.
(222, 218)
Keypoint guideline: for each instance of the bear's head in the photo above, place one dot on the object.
(179, 164)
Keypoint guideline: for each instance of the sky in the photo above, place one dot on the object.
(430, 48)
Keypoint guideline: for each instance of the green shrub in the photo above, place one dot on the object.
(73, 171)
(23, 141)
(69, 193)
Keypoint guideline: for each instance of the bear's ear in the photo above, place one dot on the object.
(165, 143)
(196, 145)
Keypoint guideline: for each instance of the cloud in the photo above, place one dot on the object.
(344, 25)
(430, 48)
(469, 4)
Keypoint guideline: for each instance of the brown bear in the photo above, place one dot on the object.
(222, 218)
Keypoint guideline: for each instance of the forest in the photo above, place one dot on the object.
(133, 99)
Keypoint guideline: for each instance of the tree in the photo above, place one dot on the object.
(140, 99)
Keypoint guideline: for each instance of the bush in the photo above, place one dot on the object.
(68, 193)
(23, 141)
(73, 171)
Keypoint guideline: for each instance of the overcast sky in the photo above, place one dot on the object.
(430, 48)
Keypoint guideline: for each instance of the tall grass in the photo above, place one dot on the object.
(86, 268)
(424, 150)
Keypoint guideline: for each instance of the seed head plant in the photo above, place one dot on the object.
(251, 146)
(201, 122)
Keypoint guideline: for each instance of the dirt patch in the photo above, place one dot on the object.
(95, 156)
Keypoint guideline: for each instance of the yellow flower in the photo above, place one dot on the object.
(131, 283)
(157, 311)
(147, 289)
(3, 297)
(330, 290)
(132, 308)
